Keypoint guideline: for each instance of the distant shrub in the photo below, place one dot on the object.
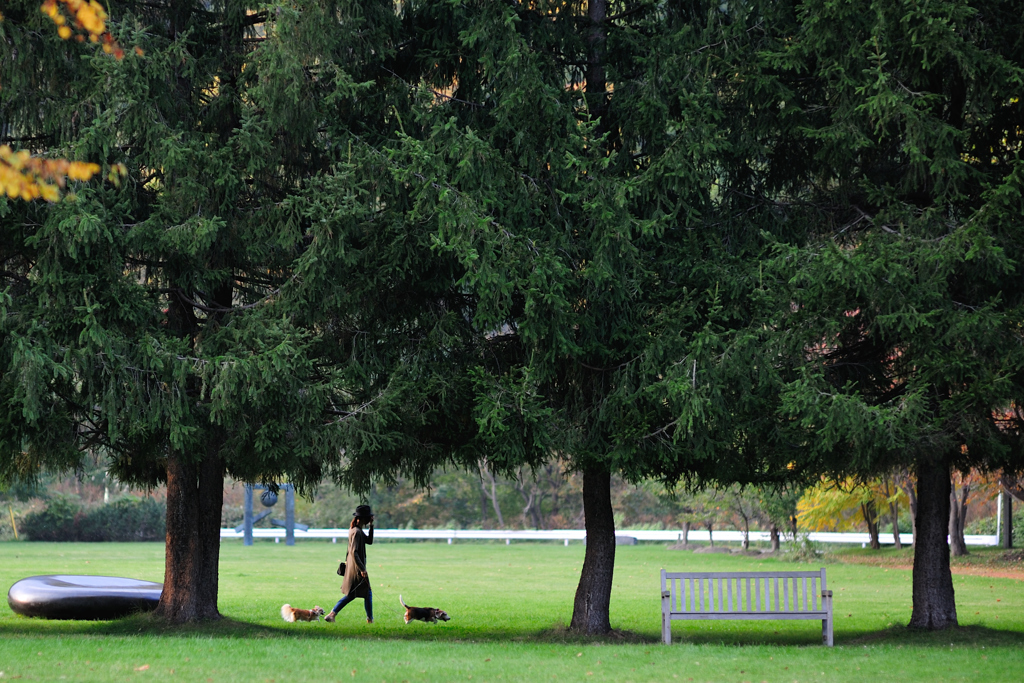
(56, 522)
(987, 525)
(126, 519)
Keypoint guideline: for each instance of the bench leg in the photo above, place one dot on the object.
(666, 628)
(826, 623)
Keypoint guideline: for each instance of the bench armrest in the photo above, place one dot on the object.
(826, 594)
(665, 594)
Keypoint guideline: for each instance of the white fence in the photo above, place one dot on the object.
(567, 535)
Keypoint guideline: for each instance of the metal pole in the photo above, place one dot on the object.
(289, 514)
(247, 519)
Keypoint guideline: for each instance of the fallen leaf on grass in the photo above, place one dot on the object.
(144, 667)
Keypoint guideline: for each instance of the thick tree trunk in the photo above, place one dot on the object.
(934, 601)
(194, 499)
(686, 534)
(774, 536)
(593, 596)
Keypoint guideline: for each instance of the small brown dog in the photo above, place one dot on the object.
(292, 614)
(431, 614)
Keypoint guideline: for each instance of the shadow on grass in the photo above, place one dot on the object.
(899, 636)
(145, 624)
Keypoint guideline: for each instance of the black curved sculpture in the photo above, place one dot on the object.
(64, 596)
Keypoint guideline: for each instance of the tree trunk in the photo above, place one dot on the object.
(746, 534)
(711, 536)
(908, 486)
(483, 507)
(686, 533)
(774, 535)
(195, 495)
(934, 601)
(596, 86)
(593, 595)
(894, 512)
(957, 519)
(531, 503)
(485, 471)
(871, 520)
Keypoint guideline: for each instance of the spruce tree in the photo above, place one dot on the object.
(539, 243)
(897, 336)
(153, 321)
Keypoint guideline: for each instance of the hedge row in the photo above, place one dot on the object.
(126, 519)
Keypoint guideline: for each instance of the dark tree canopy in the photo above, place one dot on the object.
(702, 242)
(897, 337)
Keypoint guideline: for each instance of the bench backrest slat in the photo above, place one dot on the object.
(725, 592)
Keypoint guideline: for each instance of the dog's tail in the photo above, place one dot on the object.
(286, 613)
(402, 601)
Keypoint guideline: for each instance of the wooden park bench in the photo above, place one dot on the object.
(745, 595)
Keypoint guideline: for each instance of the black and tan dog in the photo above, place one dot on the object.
(293, 614)
(431, 614)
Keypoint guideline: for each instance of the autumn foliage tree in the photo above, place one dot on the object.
(25, 176)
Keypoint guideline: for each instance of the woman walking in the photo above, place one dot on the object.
(356, 583)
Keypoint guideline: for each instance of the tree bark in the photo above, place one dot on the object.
(195, 495)
(774, 536)
(934, 601)
(593, 595)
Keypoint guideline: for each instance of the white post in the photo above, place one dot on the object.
(999, 517)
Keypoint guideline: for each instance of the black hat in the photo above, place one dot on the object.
(363, 512)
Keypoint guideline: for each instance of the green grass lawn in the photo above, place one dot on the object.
(509, 606)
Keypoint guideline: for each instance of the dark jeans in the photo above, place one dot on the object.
(349, 598)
